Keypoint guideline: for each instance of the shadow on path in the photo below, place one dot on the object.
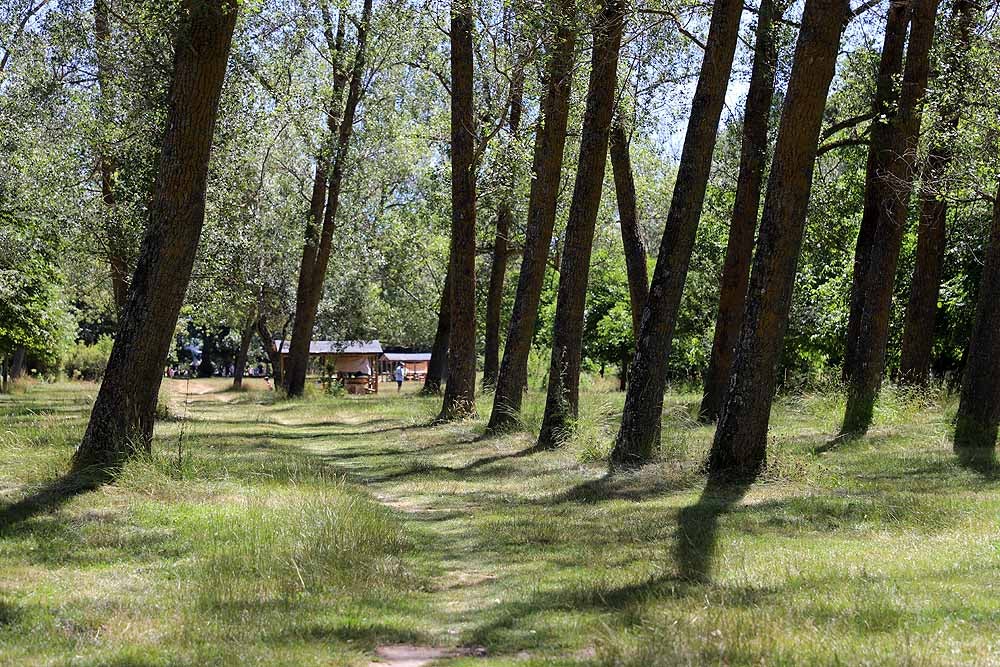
(698, 525)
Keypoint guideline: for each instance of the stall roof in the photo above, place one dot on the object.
(337, 347)
(407, 356)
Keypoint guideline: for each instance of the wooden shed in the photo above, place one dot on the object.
(354, 363)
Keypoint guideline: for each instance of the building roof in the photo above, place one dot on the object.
(407, 356)
(337, 347)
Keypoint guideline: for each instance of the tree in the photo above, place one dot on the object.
(884, 107)
(740, 445)
(325, 200)
(437, 368)
(121, 423)
(895, 184)
(979, 409)
(639, 434)
(460, 391)
(921, 309)
(550, 141)
(505, 219)
(743, 224)
(628, 217)
(567, 345)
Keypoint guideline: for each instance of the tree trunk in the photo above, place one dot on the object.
(460, 391)
(121, 423)
(437, 368)
(921, 310)
(115, 234)
(884, 110)
(319, 237)
(743, 224)
(740, 445)
(628, 216)
(272, 352)
(567, 344)
(239, 369)
(547, 170)
(498, 269)
(639, 435)
(979, 409)
(17, 363)
(896, 174)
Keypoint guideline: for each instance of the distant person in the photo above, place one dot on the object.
(399, 374)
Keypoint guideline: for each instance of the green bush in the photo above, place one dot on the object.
(88, 362)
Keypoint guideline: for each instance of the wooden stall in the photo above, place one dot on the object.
(353, 363)
(414, 364)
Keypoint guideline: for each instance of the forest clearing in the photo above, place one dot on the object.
(419, 333)
(313, 532)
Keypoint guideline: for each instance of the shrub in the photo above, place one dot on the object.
(88, 362)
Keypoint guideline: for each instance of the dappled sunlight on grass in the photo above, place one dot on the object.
(310, 531)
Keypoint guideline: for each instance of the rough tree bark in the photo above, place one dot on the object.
(639, 434)
(437, 368)
(17, 361)
(121, 423)
(567, 339)
(498, 269)
(921, 310)
(460, 390)
(979, 409)
(319, 237)
(114, 233)
(272, 352)
(896, 174)
(884, 109)
(740, 445)
(746, 208)
(240, 367)
(628, 216)
(550, 141)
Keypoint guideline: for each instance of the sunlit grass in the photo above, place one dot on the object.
(310, 531)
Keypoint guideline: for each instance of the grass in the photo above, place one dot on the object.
(312, 531)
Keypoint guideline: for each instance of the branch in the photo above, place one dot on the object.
(677, 22)
(841, 143)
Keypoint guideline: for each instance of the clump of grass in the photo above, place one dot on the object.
(270, 548)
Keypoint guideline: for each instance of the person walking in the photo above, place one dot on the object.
(399, 374)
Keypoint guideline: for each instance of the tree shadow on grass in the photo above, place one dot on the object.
(49, 498)
(698, 526)
(423, 469)
(981, 460)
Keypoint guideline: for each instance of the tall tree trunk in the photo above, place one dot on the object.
(740, 445)
(17, 363)
(743, 224)
(319, 238)
(896, 174)
(121, 423)
(628, 216)
(884, 110)
(567, 338)
(921, 310)
(979, 408)
(460, 391)
(498, 269)
(546, 170)
(437, 367)
(239, 369)
(115, 234)
(639, 434)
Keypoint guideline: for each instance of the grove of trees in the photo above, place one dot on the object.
(740, 198)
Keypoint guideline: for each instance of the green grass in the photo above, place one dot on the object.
(312, 531)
